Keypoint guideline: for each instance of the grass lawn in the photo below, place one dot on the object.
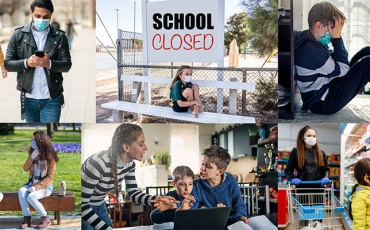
(13, 154)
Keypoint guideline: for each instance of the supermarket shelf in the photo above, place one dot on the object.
(282, 161)
(359, 149)
(334, 164)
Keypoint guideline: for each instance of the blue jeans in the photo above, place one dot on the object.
(102, 212)
(69, 37)
(43, 110)
(27, 198)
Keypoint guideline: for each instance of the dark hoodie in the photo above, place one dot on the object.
(316, 66)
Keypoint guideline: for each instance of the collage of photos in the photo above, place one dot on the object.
(185, 114)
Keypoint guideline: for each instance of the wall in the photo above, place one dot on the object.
(327, 134)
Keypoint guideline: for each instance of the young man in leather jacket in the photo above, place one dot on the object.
(40, 77)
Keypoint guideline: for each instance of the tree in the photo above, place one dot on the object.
(262, 22)
(13, 6)
(237, 28)
(3, 10)
(49, 130)
(6, 129)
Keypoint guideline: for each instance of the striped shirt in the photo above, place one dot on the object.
(97, 181)
(316, 66)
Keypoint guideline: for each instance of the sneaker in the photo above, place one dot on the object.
(26, 222)
(44, 222)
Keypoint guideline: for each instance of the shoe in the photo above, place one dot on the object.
(44, 222)
(26, 222)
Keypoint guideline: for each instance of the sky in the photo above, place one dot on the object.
(108, 14)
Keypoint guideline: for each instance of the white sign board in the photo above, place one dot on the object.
(184, 31)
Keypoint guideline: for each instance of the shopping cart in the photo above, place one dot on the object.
(314, 208)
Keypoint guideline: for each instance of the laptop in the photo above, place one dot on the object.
(204, 218)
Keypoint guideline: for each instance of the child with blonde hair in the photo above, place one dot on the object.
(359, 209)
(184, 94)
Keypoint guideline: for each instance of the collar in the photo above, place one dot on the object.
(120, 163)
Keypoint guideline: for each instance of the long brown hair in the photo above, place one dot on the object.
(124, 134)
(44, 146)
(301, 149)
(362, 169)
(178, 73)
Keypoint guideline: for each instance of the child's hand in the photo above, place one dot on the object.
(164, 203)
(186, 205)
(244, 219)
(220, 205)
(336, 31)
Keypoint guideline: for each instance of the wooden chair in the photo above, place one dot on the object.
(114, 214)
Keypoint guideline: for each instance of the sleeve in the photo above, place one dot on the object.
(326, 166)
(63, 63)
(52, 165)
(90, 176)
(238, 205)
(12, 62)
(359, 211)
(28, 164)
(159, 217)
(291, 165)
(176, 89)
(134, 192)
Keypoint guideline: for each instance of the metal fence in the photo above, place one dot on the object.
(209, 96)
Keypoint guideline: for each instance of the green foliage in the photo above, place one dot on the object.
(265, 96)
(236, 28)
(14, 152)
(262, 22)
(6, 129)
(163, 157)
(253, 133)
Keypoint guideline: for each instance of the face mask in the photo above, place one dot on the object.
(33, 144)
(311, 141)
(326, 39)
(187, 79)
(41, 24)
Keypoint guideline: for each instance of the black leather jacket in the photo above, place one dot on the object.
(310, 170)
(22, 45)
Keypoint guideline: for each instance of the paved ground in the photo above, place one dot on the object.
(66, 222)
(107, 87)
(79, 85)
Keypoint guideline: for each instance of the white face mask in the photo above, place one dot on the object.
(311, 141)
(187, 78)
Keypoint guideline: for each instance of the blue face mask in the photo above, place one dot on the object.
(41, 24)
(33, 144)
(326, 39)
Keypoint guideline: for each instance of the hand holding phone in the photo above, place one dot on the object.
(40, 54)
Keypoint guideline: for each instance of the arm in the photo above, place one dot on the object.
(12, 63)
(49, 178)
(159, 217)
(90, 177)
(63, 63)
(291, 165)
(359, 211)
(28, 164)
(326, 166)
(134, 192)
(1, 58)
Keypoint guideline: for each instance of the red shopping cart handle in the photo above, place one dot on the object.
(311, 182)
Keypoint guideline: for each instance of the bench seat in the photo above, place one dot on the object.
(159, 111)
(54, 203)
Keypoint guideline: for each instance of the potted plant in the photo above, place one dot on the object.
(253, 136)
(163, 157)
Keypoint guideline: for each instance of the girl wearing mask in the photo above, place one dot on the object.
(184, 94)
(41, 163)
(307, 158)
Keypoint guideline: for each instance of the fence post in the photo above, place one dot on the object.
(233, 94)
(119, 61)
(244, 103)
(220, 94)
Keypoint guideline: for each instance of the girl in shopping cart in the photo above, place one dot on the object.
(359, 209)
(309, 161)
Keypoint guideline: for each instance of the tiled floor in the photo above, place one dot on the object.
(67, 222)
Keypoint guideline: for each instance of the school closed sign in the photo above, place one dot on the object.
(183, 31)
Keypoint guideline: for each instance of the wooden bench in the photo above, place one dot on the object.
(205, 117)
(54, 203)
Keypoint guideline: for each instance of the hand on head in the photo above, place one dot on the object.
(336, 31)
(186, 205)
(164, 202)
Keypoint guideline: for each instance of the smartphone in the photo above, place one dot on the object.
(39, 54)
